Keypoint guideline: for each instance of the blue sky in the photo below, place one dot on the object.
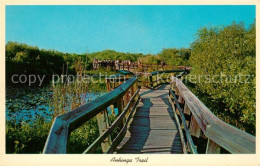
(144, 29)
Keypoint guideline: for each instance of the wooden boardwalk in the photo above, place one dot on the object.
(153, 129)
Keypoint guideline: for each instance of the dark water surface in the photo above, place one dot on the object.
(29, 104)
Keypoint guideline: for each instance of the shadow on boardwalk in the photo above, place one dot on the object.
(153, 129)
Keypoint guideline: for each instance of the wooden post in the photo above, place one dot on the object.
(176, 90)
(120, 108)
(194, 127)
(151, 81)
(135, 87)
(156, 78)
(114, 84)
(172, 86)
(180, 98)
(125, 97)
(127, 101)
(128, 96)
(186, 111)
(212, 147)
(132, 92)
(108, 85)
(102, 120)
(120, 105)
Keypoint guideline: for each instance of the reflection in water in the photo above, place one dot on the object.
(42, 111)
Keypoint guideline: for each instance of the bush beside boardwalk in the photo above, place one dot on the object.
(226, 53)
(229, 49)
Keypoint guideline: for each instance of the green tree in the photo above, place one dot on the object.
(149, 59)
(225, 53)
(174, 56)
(114, 55)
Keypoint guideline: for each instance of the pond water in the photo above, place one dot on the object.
(29, 105)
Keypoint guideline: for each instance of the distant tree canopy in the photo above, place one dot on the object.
(24, 59)
(149, 59)
(114, 55)
(175, 57)
(171, 56)
(224, 53)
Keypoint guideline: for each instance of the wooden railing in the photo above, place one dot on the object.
(145, 67)
(156, 78)
(149, 80)
(125, 97)
(115, 80)
(196, 117)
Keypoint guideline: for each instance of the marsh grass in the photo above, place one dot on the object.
(24, 137)
(68, 96)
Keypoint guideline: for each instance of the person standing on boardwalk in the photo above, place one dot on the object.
(95, 64)
(163, 63)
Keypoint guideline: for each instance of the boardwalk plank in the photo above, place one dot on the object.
(153, 129)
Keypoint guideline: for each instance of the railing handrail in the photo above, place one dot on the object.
(64, 124)
(150, 76)
(125, 72)
(225, 135)
(147, 65)
(177, 106)
(119, 75)
(169, 71)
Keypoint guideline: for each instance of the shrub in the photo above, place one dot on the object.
(225, 53)
(175, 57)
(26, 137)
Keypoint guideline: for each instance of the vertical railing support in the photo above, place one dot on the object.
(108, 85)
(114, 84)
(151, 81)
(120, 107)
(187, 112)
(212, 147)
(157, 81)
(102, 120)
(194, 127)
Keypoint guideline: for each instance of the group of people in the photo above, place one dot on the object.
(115, 64)
(109, 63)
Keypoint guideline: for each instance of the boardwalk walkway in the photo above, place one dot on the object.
(153, 129)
